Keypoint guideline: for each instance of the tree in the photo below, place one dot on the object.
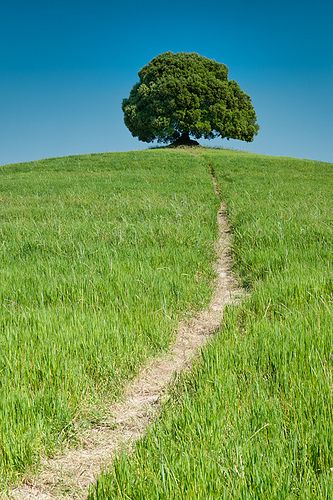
(184, 94)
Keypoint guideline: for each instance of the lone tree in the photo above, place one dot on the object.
(185, 94)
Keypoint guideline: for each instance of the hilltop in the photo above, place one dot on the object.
(103, 255)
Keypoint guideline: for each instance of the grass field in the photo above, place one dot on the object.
(253, 419)
(100, 256)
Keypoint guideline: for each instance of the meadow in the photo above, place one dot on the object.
(100, 258)
(253, 418)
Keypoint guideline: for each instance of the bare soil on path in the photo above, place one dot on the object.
(70, 474)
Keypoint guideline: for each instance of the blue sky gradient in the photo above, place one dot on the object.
(65, 67)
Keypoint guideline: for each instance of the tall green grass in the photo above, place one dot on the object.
(100, 256)
(253, 419)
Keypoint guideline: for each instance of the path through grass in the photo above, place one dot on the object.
(254, 417)
(100, 257)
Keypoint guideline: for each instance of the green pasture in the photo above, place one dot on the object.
(253, 419)
(100, 257)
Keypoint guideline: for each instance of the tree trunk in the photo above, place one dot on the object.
(185, 140)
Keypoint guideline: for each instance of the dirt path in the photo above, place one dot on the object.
(69, 475)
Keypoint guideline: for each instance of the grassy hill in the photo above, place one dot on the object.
(253, 419)
(102, 255)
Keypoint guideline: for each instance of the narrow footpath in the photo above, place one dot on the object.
(69, 475)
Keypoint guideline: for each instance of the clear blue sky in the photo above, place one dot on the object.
(66, 65)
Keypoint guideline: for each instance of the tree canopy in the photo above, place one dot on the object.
(185, 94)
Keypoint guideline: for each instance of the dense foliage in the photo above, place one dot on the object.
(184, 94)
